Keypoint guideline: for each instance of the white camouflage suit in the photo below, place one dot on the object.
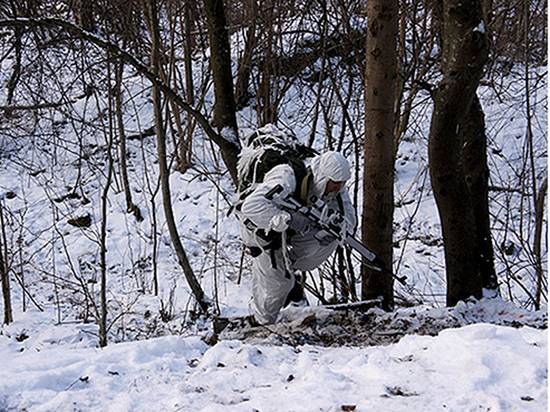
(273, 282)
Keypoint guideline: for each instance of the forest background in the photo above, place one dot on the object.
(121, 124)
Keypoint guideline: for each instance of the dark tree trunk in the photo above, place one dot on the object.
(465, 50)
(4, 272)
(103, 329)
(380, 83)
(539, 221)
(186, 142)
(130, 206)
(267, 112)
(188, 51)
(85, 14)
(477, 179)
(220, 60)
(245, 63)
(16, 73)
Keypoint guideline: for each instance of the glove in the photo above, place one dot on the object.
(279, 222)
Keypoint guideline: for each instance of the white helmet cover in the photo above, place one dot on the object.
(329, 166)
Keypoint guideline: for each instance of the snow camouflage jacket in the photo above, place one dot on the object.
(257, 213)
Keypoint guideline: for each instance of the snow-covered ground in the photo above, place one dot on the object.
(476, 367)
(480, 367)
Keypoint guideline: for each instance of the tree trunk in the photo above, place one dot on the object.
(16, 73)
(477, 179)
(464, 53)
(6, 290)
(267, 112)
(186, 143)
(220, 59)
(380, 80)
(163, 164)
(84, 14)
(130, 206)
(539, 221)
(103, 230)
(245, 63)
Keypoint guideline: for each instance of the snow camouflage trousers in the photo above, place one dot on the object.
(271, 281)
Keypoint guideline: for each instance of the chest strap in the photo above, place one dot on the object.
(305, 186)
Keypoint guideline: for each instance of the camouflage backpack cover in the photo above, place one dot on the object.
(269, 147)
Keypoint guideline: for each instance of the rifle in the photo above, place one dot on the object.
(370, 259)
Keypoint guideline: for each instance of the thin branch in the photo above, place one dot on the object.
(116, 51)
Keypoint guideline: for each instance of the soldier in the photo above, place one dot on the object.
(282, 243)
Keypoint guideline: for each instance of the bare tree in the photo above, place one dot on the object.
(227, 141)
(224, 107)
(130, 206)
(6, 291)
(308, 54)
(185, 144)
(152, 18)
(464, 53)
(103, 231)
(245, 62)
(539, 216)
(380, 81)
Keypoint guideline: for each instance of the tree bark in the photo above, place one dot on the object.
(84, 14)
(6, 290)
(464, 53)
(220, 60)
(16, 73)
(130, 206)
(103, 230)
(186, 143)
(539, 221)
(477, 180)
(267, 112)
(380, 81)
(245, 63)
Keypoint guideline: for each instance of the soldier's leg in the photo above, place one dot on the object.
(307, 253)
(271, 284)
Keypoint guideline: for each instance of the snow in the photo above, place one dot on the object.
(229, 134)
(50, 360)
(480, 28)
(480, 366)
(476, 367)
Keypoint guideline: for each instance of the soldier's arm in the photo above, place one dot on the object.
(262, 211)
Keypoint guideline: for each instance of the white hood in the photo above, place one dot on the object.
(329, 166)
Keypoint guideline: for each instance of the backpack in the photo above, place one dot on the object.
(269, 147)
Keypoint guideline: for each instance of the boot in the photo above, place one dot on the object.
(296, 296)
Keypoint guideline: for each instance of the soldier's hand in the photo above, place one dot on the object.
(279, 222)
